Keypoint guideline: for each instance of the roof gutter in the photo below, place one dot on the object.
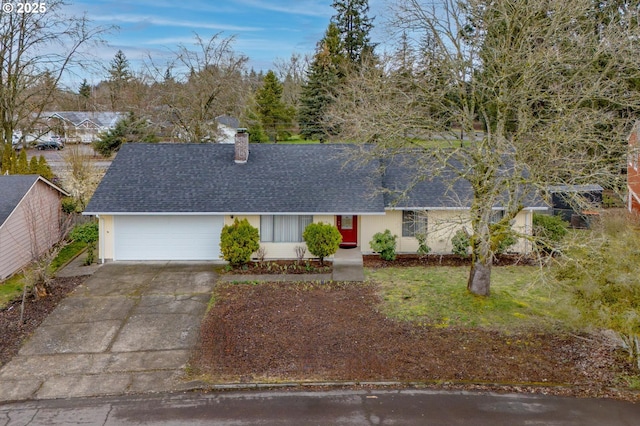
(355, 213)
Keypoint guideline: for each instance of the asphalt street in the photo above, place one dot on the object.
(339, 407)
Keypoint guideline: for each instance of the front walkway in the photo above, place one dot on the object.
(348, 265)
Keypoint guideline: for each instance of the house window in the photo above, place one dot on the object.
(496, 216)
(414, 223)
(283, 229)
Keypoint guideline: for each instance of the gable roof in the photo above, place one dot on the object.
(277, 179)
(77, 118)
(13, 188)
(443, 189)
(203, 178)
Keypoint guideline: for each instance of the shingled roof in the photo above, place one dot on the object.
(105, 120)
(442, 189)
(284, 179)
(203, 178)
(13, 188)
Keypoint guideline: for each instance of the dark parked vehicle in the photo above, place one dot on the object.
(54, 142)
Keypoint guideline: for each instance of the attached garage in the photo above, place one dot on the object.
(167, 237)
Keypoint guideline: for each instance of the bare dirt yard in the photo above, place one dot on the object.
(275, 332)
(15, 332)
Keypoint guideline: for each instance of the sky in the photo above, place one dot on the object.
(264, 30)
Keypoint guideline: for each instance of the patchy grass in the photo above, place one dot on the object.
(67, 253)
(438, 296)
(11, 288)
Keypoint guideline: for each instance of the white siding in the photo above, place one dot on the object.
(281, 250)
(441, 227)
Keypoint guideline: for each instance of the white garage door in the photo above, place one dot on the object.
(167, 237)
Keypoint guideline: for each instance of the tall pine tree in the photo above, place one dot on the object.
(354, 26)
(274, 115)
(84, 93)
(345, 45)
(324, 77)
(119, 78)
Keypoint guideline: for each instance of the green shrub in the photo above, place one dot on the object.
(322, 239)
(423, 248)
(385, 244)
(238, 241)
(549, 231)
(69, 204)
(460, 243)
(86, 233)
(603, 276)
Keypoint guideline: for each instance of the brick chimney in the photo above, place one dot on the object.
(242, 146)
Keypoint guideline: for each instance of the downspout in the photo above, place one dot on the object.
(528, 242)
(101, 237)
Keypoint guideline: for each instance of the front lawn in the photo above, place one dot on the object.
(11, 288)
(314, 331)
(438, 296)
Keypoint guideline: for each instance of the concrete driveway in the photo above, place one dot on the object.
(129, 328)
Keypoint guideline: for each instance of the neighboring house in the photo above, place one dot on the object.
(633, 171)
(228, 121)
(170, 201)
(79, 126)
(227, 127)
(30, 217)
(576, 204)
(226, 134)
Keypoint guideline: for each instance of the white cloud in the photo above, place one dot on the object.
(157, 21)
(295, 7)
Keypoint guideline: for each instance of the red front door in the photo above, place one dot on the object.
(348, 227)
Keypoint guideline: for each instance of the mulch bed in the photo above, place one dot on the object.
(36, 310)
(276, 331)
(374, 260)
(278, 267)
(312, 266)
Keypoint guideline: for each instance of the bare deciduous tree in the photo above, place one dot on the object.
(81, 177)
(35, 46)
(206, 82)
(46, 226)
(292, 74)
(550, 86)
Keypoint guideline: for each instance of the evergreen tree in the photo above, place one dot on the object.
(354, 26)
(324, 77)
(256, 132)
(129, 129)
(119, 77)
(33, 165)
(22, 164)
(274, 115)
(43, 168)
(7, 165)
(85, 94)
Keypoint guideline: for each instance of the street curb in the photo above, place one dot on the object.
(203, 386)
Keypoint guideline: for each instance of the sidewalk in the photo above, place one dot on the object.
(77, 268)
